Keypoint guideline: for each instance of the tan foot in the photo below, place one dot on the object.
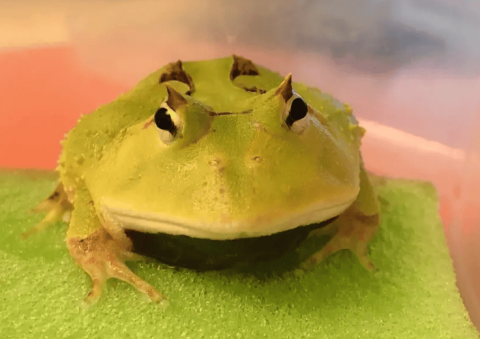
(354, 231)
(103, 258)
(57, 207)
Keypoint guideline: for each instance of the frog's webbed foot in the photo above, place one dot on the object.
(102, 258)
(354, 231)
(57, 207)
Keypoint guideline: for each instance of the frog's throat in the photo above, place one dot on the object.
(148, 222)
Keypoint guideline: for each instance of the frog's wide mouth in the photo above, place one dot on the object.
(149, 222)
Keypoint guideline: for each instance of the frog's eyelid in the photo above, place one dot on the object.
(175, 71)
(242, 66)
(285, 89)
(174, 99)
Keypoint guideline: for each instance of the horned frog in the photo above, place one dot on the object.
(209, 164)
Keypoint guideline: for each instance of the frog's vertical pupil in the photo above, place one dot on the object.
(298, 110)
(164, 121)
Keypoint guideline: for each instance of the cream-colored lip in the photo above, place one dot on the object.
(160, 223)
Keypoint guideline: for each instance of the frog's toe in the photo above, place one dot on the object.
(53, 216)
(366, 263)
(119, 270)
(95, 292)
(308, 265)
(334, 246)
(331, 247)
(57, 207)
(355, 231)
(102, 258)
(361, 251)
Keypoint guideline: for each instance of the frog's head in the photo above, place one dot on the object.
(271, 165)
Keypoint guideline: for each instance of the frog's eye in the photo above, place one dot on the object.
(167, 129)
(296, 109)
(295, 115)
(168, 122)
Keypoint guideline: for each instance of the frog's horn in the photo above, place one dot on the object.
(174, 98)
(285, 89)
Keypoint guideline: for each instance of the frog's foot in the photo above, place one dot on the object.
(57, 207)
(354, 231)
(103, 258)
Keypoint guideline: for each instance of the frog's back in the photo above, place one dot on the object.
(94, 131)
(242, 79)
(219, 83)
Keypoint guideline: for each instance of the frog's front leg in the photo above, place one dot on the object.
(99, 253)
(57, 206)
(354, 228)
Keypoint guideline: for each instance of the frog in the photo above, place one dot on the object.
(207, 165)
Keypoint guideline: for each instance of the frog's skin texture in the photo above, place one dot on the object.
(208, 160)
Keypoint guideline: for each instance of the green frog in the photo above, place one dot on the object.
(210, 164)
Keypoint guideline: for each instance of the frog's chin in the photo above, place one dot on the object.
(148, 222)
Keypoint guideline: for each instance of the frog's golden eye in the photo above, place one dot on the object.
(168, 124)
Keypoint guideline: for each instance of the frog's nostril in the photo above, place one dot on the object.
(217, 165)
(257, 158)
(214, 162)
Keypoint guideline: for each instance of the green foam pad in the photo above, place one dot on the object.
(412, 294)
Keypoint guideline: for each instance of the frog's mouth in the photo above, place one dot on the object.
(148, 222)
(206, 246)
(208, 254)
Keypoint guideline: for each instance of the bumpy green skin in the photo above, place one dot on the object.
(114, 155)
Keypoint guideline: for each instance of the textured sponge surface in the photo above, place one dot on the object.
(412, 294)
